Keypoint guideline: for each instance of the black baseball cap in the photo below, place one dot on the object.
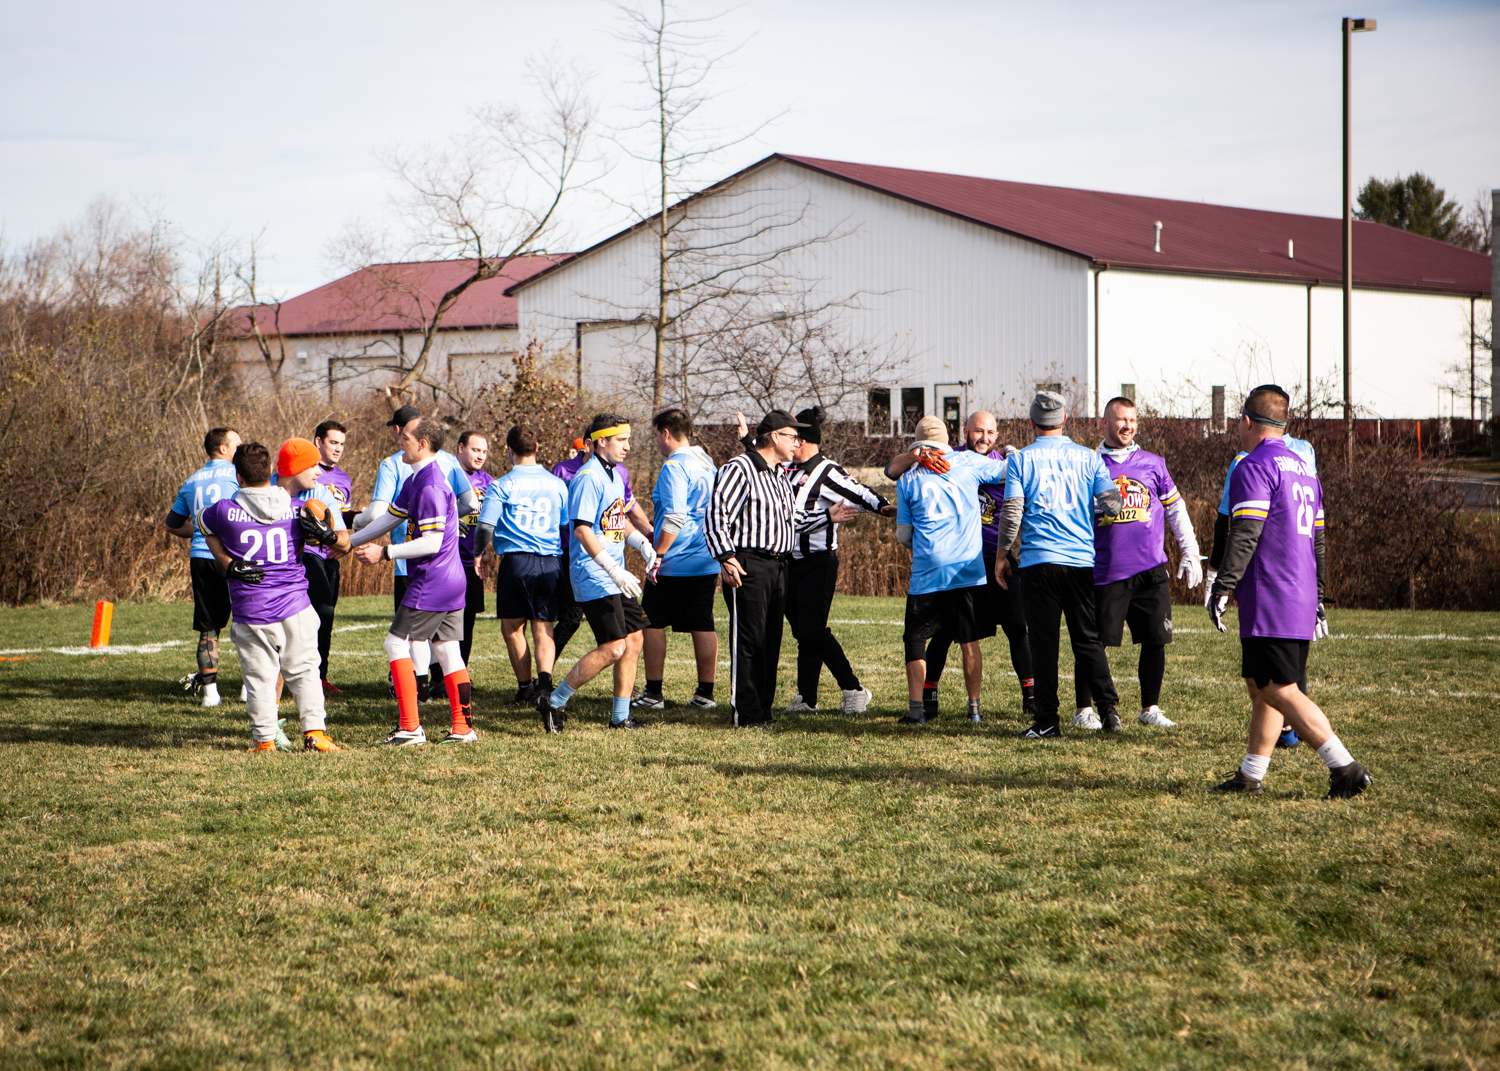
(775, 420)
(403, 416)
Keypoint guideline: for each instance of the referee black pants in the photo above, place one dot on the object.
(1053, 592)
(323, 593)
(755, 609)
(809, 594)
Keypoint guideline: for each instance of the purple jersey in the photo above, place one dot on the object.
(341, 487)
(437, 582)
(480, 481)
(1278, 595)
(274, 545)
(566, 470)
(991, 495)
(1135, 540)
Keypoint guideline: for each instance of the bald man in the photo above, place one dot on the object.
(1000, 607)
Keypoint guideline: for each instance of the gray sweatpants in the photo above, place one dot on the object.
(291, 647)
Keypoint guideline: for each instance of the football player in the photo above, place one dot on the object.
(937, 519)
(258, 537)
(473, 450)
(432, 600)
(1131, 583)
(1273, 564)
(322, 567)
(213, 482)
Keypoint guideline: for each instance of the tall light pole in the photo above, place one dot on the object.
(1351, 26)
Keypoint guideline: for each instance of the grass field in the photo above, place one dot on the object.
(836, 892)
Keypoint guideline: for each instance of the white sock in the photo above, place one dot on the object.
(1255, 766)
(210, 691)
(1334, 754)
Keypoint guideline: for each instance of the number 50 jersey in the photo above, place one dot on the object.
(527, 507)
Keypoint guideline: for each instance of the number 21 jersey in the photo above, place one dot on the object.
(527, 507)
(1278, 595)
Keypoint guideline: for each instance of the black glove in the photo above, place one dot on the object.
(316, 530)
(245, 572)
(1217, 604)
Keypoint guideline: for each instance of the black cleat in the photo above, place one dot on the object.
(1347, 782)
(525, 693)
(552, 718)
(1240, 783)
(1038, 731)
(628, 723)
(909, 720)
(1110, 720)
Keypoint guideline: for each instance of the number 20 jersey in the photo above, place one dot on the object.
(527, 507)
(274, 545)
(1278, 595)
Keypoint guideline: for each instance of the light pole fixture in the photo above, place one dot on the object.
(1350, 26)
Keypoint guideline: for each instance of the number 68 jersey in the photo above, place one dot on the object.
(526, 507)
(275, 544)
(1278, 595)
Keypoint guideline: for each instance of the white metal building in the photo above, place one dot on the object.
(990, 288)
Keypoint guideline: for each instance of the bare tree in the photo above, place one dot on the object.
(261, 314)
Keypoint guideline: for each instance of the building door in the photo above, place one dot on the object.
(951, 407)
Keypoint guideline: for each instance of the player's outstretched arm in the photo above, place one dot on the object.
(899, 464)
(388, 522)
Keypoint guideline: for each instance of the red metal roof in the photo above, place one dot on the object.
(397, 297)
(1118, 230)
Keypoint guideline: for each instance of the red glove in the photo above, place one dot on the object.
(932, 459)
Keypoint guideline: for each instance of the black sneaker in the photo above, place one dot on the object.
(552, 719)
(1240, 783)
(1346, 782)
(1110, 720)
(909, 720)
(1050, 731)
(525, 693)
(628, 723)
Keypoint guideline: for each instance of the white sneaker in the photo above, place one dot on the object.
(702, 702)
(1152, 715)
(797, 706)
(857, 701)
(1087, 719)
(648, 702)
(407, 737)
(244, 693)
(211, 695)
(470, 737)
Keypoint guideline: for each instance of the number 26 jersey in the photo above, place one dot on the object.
(1278, 595)
(526, 507)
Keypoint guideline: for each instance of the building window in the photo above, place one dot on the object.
(913, 408)
(953, 416)
(1055, 388)
(878, 414)
(1218, 409)
(1127, 390)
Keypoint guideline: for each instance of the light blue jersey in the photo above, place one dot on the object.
(683, 486)
(1301, 447)
(202, 489)
(947, 549)
(1058, 478)
(596, 495)
(526, 507)
(392, 475)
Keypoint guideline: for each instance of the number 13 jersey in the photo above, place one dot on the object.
(526, 507)
(1278, 595)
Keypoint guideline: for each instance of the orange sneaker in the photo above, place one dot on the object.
(318, 740)
(262, 747)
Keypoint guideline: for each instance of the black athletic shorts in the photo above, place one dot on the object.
(1268, 659)
(613, 618)
(681, 603)
(210, 595)
(398, 591)
(473, 590)
(440, 625)
(529, 586)
(1143, 600)
(960, 614)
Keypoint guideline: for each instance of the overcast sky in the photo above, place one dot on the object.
(230, 119)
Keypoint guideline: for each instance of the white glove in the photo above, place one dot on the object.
(1191, 568)
(643, 547)
(1209, 576)
(1320, 630)
(1216, 608)
(1008, 451)
(629, 586)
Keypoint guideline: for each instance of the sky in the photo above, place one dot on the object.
(274, 120)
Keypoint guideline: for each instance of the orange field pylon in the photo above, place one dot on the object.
(104, 613)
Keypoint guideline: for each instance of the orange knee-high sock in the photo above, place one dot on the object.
(404, 676)
(459, 694)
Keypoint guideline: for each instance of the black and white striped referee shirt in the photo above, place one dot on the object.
(752, 507)
(818, 484)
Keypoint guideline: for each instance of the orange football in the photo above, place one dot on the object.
(317, 508)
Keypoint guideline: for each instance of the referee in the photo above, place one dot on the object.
(751, 527)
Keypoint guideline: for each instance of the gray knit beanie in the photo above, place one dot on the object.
(1047, 409)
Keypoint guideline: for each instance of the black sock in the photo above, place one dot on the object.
(705, 689)
(544, 681)
(653, 688)
(1028, 689)
(523, 684)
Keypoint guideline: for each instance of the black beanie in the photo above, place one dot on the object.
(813, 418)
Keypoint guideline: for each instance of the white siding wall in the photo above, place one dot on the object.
(1177, 336)
(956, 300)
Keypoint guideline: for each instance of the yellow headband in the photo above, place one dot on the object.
(605, 433)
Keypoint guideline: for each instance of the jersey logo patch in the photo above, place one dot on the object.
(612, 523)
(1136, 505)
